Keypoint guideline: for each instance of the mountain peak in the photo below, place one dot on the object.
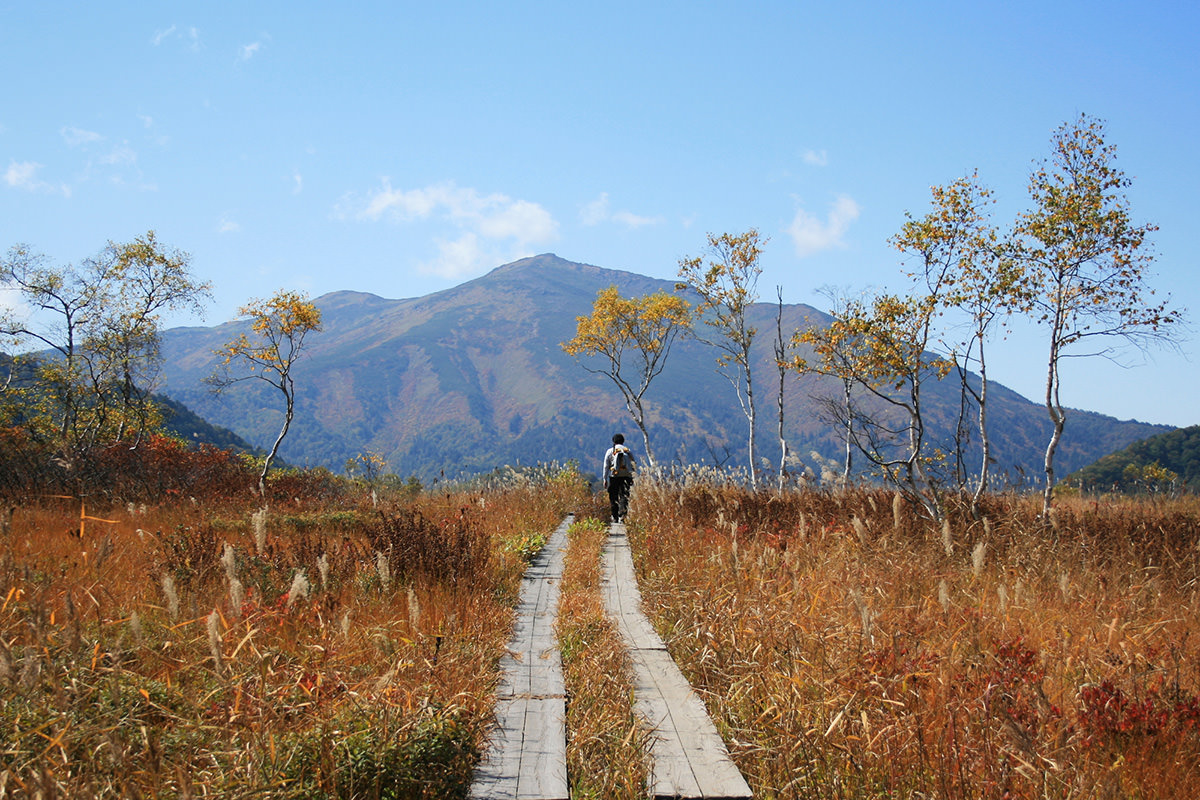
(538, 262)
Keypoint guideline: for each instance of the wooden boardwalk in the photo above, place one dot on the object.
(690, 759)
(527, 759)
(527, 756)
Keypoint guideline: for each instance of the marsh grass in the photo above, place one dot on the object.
(994, 658)
(245, 678)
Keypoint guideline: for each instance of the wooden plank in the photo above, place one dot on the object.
(527, 754)
(690, 759)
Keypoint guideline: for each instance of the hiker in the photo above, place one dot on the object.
(619, 467)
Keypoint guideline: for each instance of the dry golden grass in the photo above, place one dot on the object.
(849, 649)
(179, 652)
(845, 647)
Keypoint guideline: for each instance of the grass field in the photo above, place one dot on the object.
(188, 651)
(849, 649)
(846, 647)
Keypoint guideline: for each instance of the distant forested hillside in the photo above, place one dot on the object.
(1127, 470)
(178, 419)
(181, 421)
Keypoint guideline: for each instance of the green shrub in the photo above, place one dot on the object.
(433, 757)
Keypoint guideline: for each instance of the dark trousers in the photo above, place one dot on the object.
(618, 497)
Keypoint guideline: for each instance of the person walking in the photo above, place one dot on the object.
(619, 466)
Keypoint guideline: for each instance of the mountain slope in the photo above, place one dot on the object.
(473, 377)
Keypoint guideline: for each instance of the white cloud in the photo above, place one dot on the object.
(598, 211)
(248, 51)
(519, 220)
(407, 205)
(631, 220)
(23, 175)
(120, 155)
(811, 235)
(816, 158)
(297, 182)
(74, 137)
(494, 216)
(457, 258)
(191, 36)
(227, 225)
(13, 303)
(160, 35)
(490, 226)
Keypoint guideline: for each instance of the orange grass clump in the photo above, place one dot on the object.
(850, 649)
(169, 653)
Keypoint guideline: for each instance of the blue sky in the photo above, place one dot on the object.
(401, 148)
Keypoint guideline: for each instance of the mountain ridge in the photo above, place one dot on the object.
(473, 377)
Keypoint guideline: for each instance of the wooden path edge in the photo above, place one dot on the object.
(526, 754)
(690, 759)
(526, 757)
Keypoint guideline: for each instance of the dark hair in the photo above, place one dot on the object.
(618, 438)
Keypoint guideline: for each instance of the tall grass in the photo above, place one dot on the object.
(850, 649)
(197, 650)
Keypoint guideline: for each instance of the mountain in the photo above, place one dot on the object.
(473, 377)
(1177, 451)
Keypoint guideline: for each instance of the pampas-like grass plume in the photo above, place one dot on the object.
(237, 596)
(866, 616)
(6, 663)
(214, 640)
(323, 570)
(383, 570)
(229, 562)
(978, 555)
(300, 588)
(860, 528)
(258, 521)
(414, 610)
(168, 587)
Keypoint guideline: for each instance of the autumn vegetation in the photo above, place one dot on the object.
(331, 643)
(851, 648)
(210, 643)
